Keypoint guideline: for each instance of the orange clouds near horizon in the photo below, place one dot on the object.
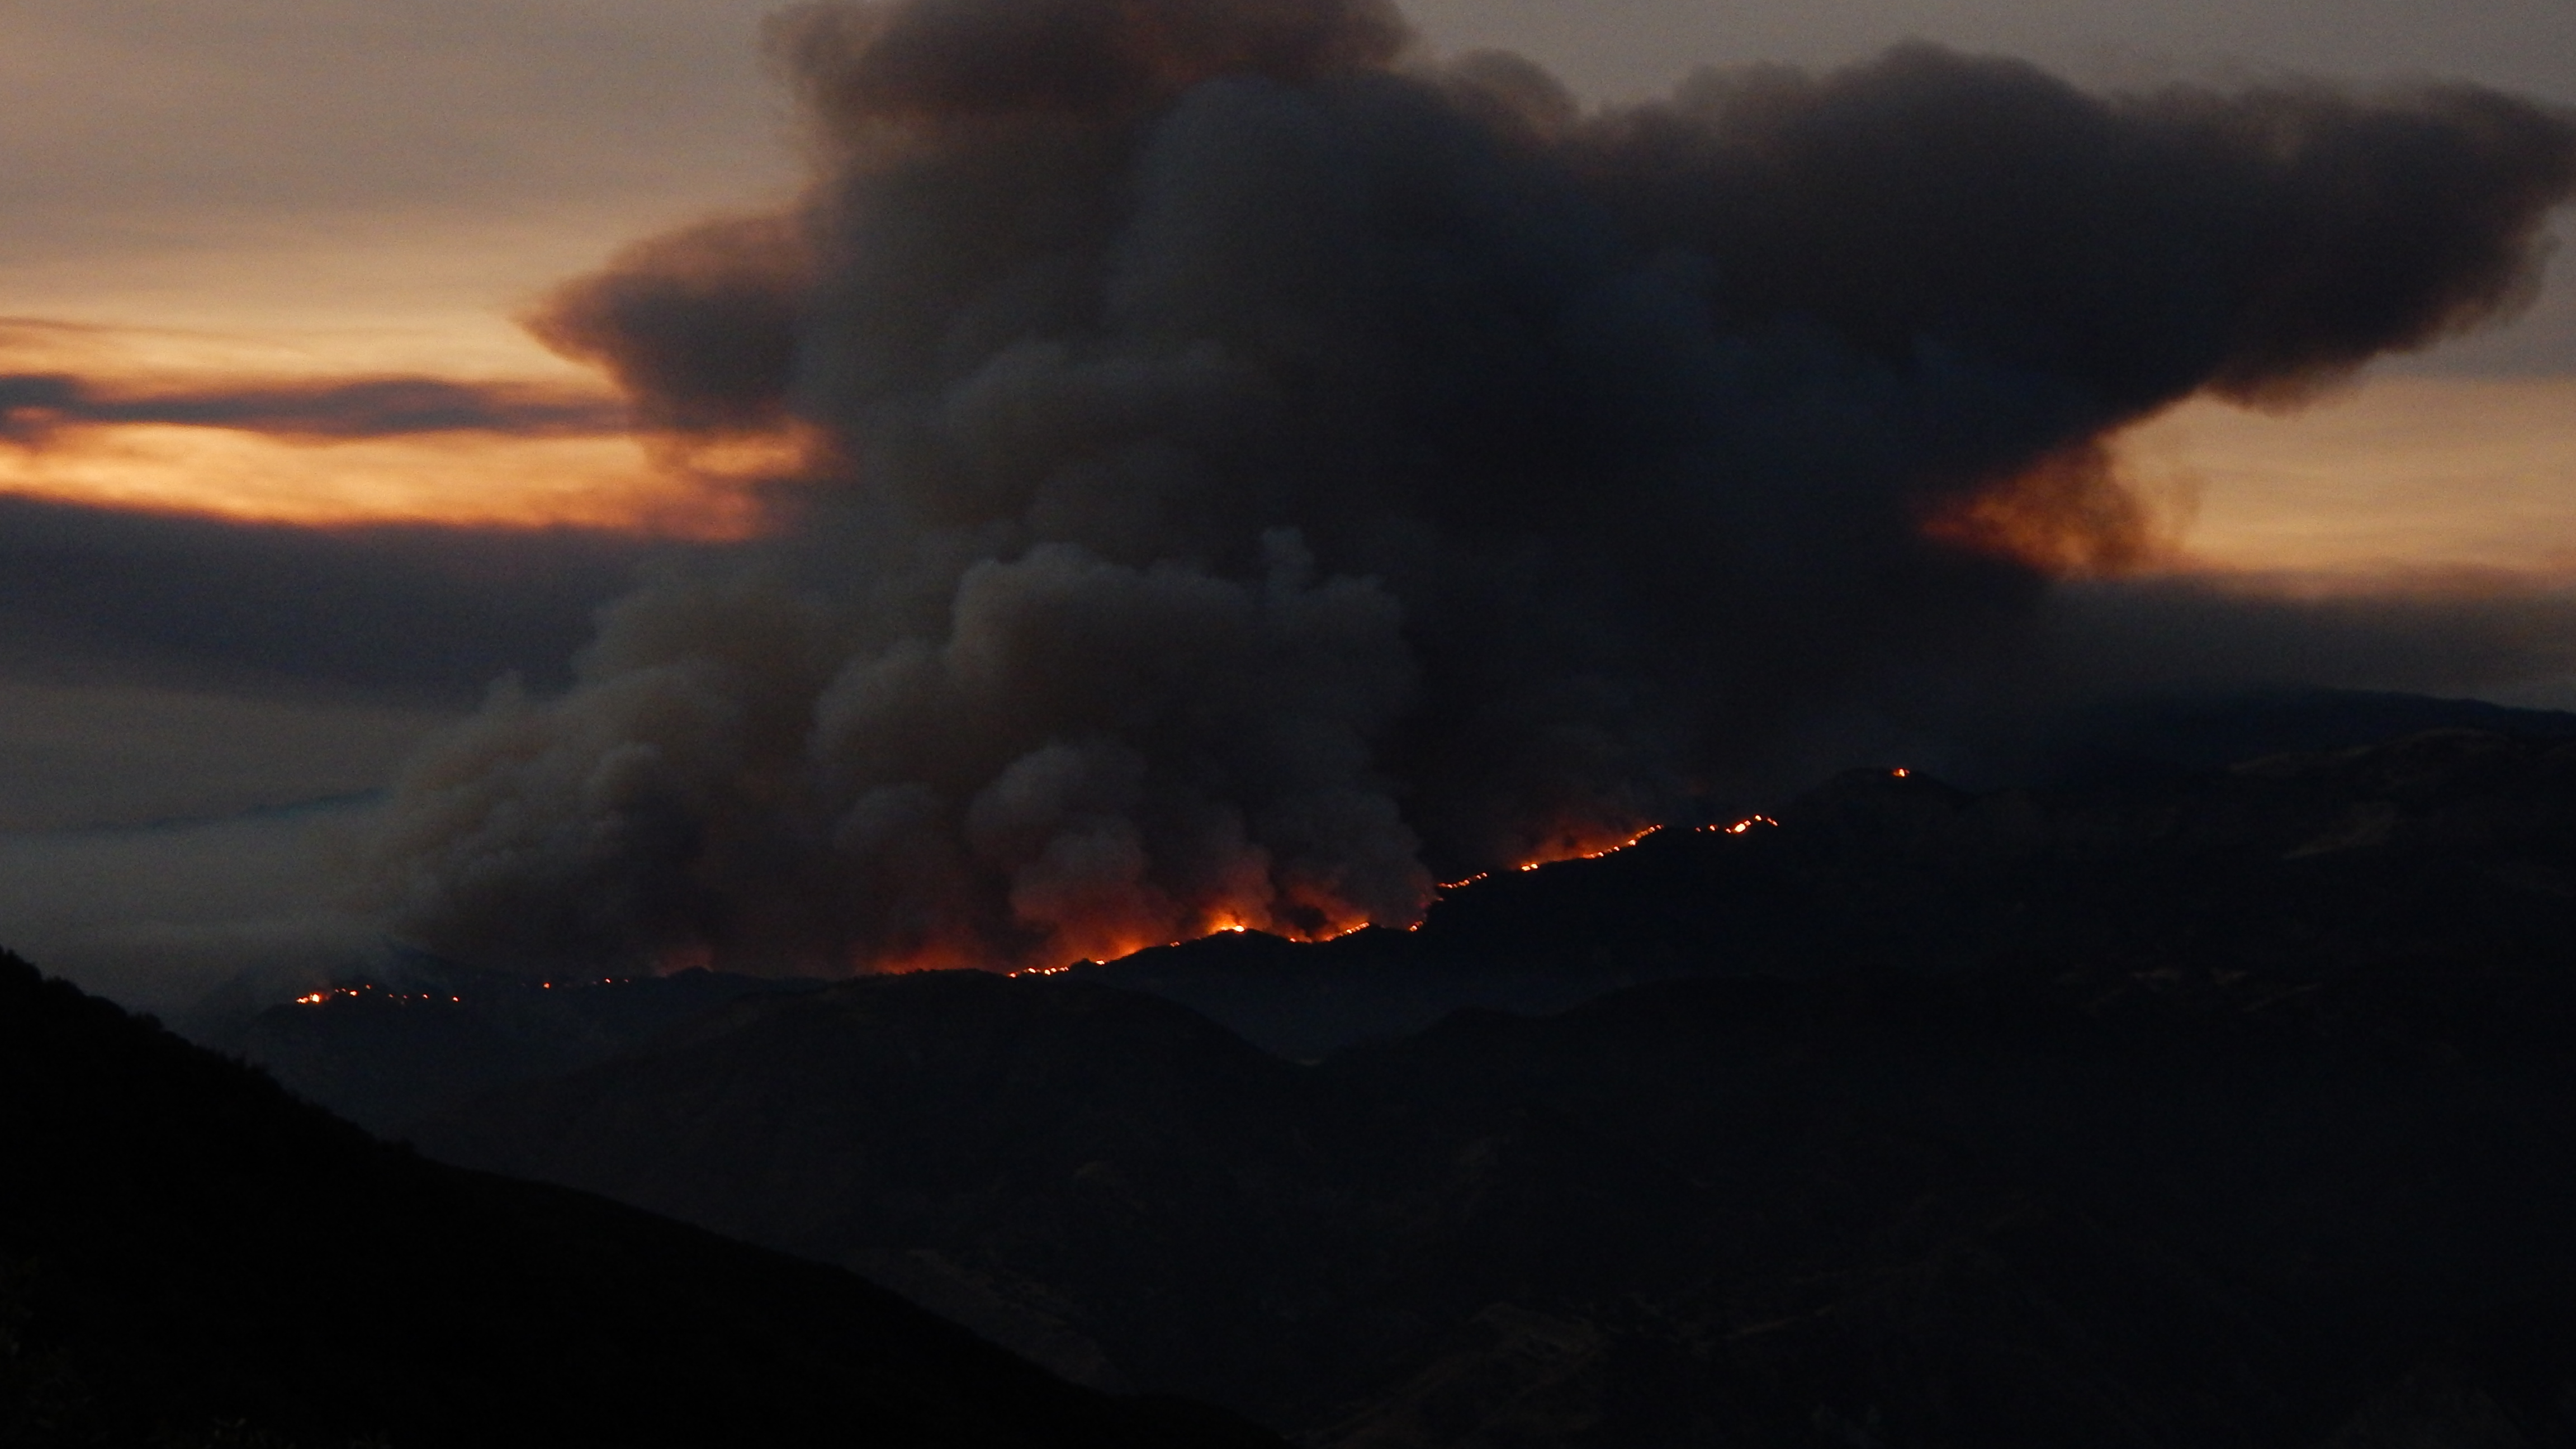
(2404, 484)
(480, 481)
(211, 426)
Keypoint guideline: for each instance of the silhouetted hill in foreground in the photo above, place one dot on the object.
(2235, 1110)
(190, 1257)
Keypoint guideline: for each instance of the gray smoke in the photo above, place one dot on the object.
(1245, 470)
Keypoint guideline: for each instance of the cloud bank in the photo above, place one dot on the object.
(34, 406)
(397, 613)
(1248, 471)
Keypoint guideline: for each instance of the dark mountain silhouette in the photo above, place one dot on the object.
(1549, 939)
(411, 1036)
(400, 1039)
(189, 1257)
(2233, 1109)
(2171, 734)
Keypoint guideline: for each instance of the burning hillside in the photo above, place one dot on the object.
(2223, 1109)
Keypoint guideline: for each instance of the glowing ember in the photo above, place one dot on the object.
(369, 991)
(1622, 845)
(1337, 930)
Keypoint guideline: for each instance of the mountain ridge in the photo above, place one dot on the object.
(2222, 1111)
(193, 1257)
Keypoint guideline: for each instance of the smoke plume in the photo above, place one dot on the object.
(1247, 469)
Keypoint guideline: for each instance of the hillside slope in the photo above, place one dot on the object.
(190, 1257)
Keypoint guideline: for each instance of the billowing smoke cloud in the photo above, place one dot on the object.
(34, 406)
(1248, 470)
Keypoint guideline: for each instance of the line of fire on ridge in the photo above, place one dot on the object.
(367, 989)
(1739, 827)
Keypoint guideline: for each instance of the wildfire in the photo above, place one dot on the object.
(1570, 851)
(370, 991)
(366, 989)
(1334, 931)
(1614, 847)
(1610, 849)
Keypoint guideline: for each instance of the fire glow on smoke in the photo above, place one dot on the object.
(1741, 827)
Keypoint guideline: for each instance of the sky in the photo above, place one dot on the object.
(240, 579)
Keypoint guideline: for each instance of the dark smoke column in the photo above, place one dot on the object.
(1242, 466)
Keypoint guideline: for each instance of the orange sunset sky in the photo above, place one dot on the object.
(289, 191)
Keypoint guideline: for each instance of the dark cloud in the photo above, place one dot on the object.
(159, 674)
(2175, 647)
(2140, 246)
(411, 612)
(1247, 474)
(2452, 634)
(35, 405)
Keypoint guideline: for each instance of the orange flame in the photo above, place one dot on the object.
(1742, 826)
(1112, 945)
(366, 989)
